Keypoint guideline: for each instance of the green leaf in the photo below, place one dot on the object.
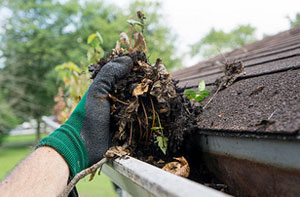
(205, 92)
(100, 37)
(95, 40)
(134, 22)
(90, 54)
(190, 94)
(91, 38)
(201, 85)
(162, 143)
(157, 128)
(199, 97)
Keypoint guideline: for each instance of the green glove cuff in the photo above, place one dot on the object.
(67, 140)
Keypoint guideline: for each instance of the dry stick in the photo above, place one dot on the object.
(117, 100)
(130, 137)
(221, 84)
(146, 117)
(144, 109)
(140, 126)
(153, 121)
(219, 88)
(81, 175)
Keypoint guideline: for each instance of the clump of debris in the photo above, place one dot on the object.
(148, 110)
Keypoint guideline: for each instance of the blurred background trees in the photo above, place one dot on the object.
(217, 41)
(294, 21)
(39, 35)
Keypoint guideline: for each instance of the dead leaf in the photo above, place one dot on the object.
(133, 106)
(142, 87)
(163, 90)
(179, 167)
(161, 69)
(139, 42)
(116, 151)
(144, 65)
(124, 38)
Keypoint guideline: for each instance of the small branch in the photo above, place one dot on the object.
(144, 109)
(211, 98)
(153, 121)
(140, 126)
(117, 100)
(81, 175)
(130, 137)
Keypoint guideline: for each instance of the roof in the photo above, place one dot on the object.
(265, 99)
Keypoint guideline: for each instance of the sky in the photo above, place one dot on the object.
(192, 19)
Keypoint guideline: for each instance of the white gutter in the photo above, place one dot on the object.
(141, 179)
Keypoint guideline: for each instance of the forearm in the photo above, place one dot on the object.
(43, 173)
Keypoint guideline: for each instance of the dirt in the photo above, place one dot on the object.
(148, 110)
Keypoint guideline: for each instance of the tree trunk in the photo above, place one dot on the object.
(38, 129)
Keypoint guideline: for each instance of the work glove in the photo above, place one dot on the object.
(84, 138)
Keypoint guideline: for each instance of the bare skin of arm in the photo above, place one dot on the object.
(43, 173)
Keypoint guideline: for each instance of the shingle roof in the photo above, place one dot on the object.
(265, 99)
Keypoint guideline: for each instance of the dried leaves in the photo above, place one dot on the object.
(232, 71)
(116, 151)
(148, 110)
(179, 167)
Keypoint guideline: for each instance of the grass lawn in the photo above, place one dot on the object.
(22, 138)
(12, 155)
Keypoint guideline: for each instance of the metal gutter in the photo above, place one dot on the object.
(253, 166)
(137, 178)
(141, 179)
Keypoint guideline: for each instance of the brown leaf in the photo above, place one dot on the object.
(133, 106)
(139, 42)
(124, 39)
(144, 65)
(163, 72)
(116, 151)
(141, 88)
(163, 90)
(179, 167)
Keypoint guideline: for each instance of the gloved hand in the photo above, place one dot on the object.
(84, 138)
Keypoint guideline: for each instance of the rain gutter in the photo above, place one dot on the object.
(253, 165)
(137, 178)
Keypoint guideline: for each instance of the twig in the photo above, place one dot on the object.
(81, 175)
(146, 117)
(140, 126)
(211, 98)
(153, 121)
(130, 137)
(117, 100)
(144, 109)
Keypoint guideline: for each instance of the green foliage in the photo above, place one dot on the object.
(216, 41)
(7, 118)
(200, 94)
(42, 34)
(294, 22)
(162, 142)
(95, 52)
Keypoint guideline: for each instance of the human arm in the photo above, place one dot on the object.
(43, 172)
(84, 138)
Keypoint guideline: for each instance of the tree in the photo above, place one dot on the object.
(294, 22)
(42, 34)
(218, 40)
